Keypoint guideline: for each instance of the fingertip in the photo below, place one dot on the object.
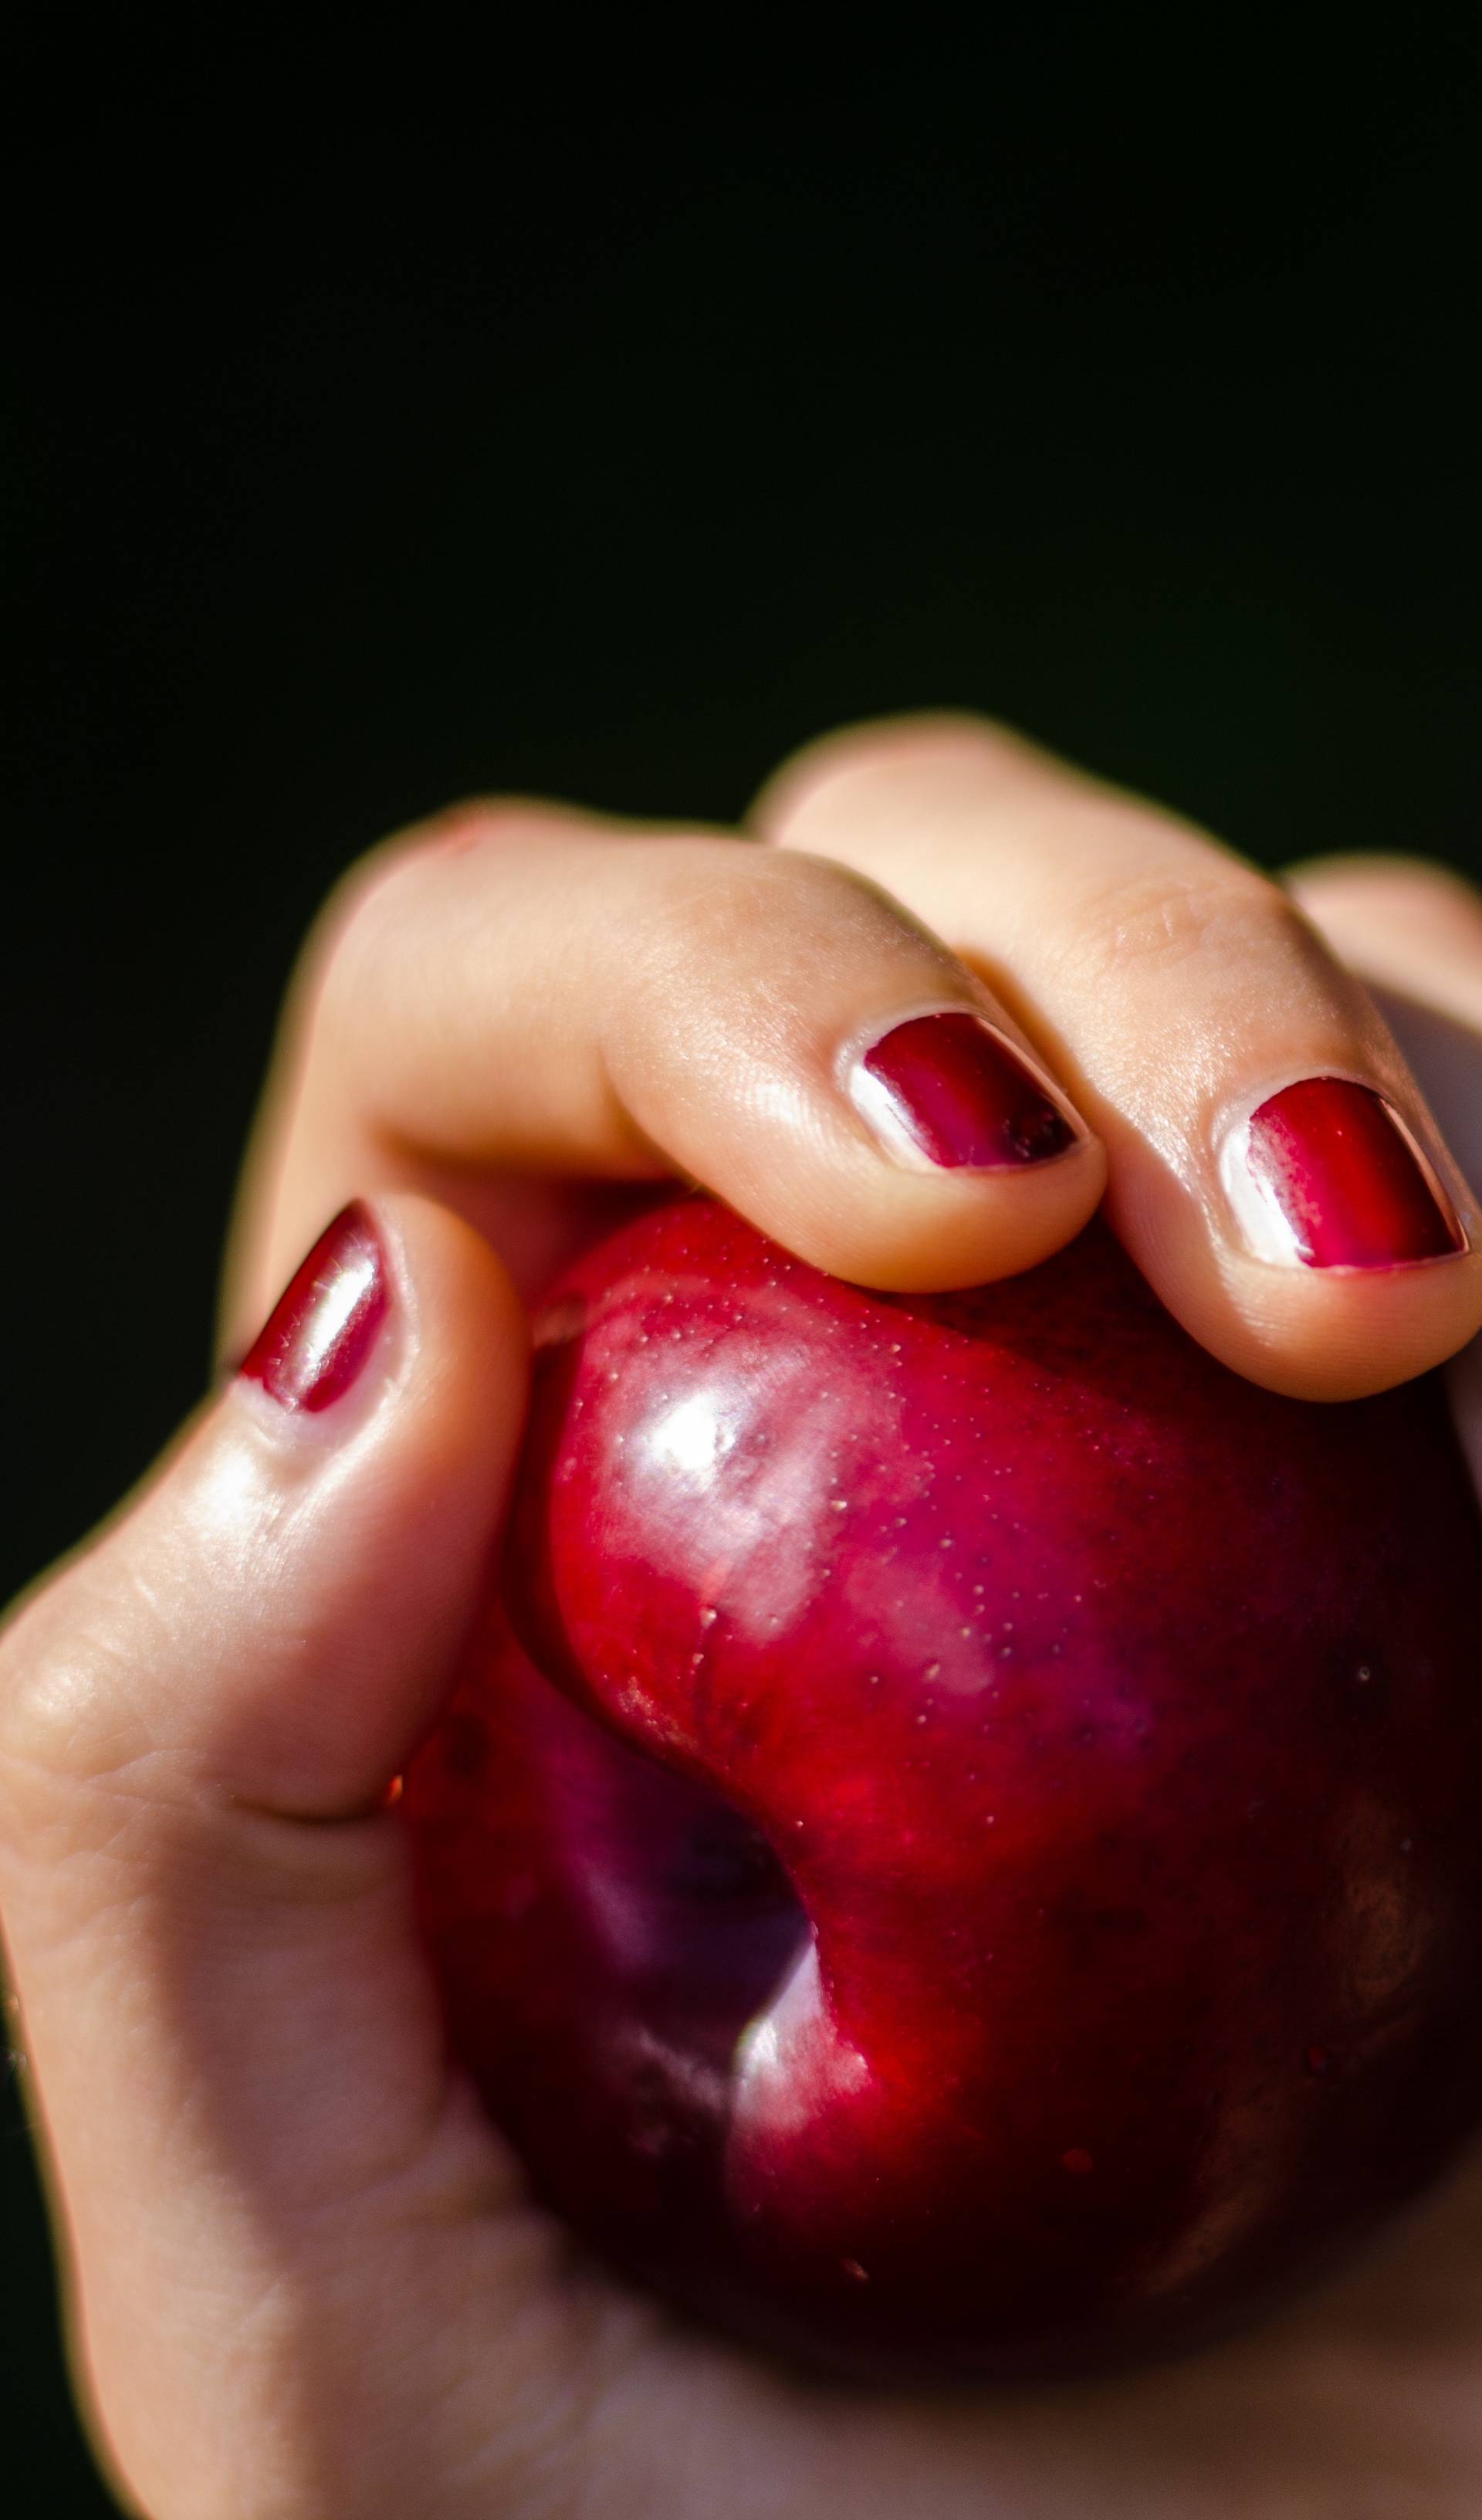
(1353, 1334)
(272, 1618)
(803, 1047)
(468, 1325)
(1312, 1333)
(388, 1524)
(912, 1231)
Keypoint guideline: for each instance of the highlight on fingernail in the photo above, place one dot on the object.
(1324, 1173)
(945, 1088)
(322, 1330)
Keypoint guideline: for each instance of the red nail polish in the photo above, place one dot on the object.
(1325, 1173)
(948, 1087)
(326, 1322)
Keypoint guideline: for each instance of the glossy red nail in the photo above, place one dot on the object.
(326, 1320)
(1325, 1173)
(948, 1087)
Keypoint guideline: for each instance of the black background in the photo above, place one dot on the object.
(608, 428)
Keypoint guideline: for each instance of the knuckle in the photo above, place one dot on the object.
(362, 922)
(760, 924)
(880, 752)
(697, 904)
(1152, 923)
(751, 894)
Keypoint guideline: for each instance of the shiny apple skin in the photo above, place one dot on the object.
(974, 1865)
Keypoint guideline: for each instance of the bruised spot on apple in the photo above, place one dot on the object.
(959, 1851)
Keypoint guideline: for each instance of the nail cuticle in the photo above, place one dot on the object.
(1325, 1173)
(941, 1087)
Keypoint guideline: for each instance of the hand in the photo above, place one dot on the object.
(303, 2278)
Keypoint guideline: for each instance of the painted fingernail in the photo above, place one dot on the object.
(326, 1320)
(947, 1089)
(1327, 1174)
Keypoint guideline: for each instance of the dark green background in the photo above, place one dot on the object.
(613, 441)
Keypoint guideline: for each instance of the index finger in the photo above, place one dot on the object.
(538, 993)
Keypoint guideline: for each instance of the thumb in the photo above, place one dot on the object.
(232, 2037)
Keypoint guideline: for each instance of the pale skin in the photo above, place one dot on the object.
(302, 2277)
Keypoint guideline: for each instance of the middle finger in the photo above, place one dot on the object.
(1272, 1167)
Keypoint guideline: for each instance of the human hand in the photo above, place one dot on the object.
(303, 2274)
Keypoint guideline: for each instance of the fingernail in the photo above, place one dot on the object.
(326, 1320)
(1325, 1173)
(947, 1088)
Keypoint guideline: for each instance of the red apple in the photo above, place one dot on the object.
(975, 1863)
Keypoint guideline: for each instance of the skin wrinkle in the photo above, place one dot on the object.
(1165, 919)
(1200, 1039)
(551, 2377)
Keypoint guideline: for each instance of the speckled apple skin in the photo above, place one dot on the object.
(973, 1867)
